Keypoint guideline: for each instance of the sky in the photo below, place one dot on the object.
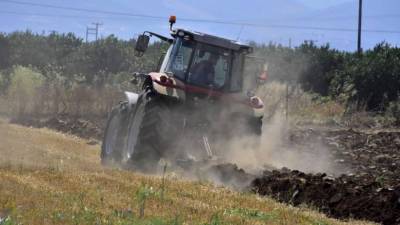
(286, 22)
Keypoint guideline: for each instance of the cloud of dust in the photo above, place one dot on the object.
(275, 150)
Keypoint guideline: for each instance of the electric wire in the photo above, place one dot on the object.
(245, 24)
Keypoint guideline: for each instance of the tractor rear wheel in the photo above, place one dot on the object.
(114, 135)
(151, 131)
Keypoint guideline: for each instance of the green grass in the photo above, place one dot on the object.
(251, 214)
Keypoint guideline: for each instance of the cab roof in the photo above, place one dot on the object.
(211, 39)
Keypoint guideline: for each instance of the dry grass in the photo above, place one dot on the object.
(52, 178)
(303, 107)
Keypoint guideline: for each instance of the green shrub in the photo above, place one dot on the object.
(23, 89)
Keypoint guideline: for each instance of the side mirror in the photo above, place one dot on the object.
(142, 43)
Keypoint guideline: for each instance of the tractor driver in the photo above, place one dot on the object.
(203, 72)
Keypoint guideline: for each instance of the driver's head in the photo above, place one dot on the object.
(213, 58)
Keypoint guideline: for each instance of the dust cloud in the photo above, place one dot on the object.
(275, 150)
(245, 156)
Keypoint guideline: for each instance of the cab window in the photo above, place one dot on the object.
(210, 67)
(180, 58)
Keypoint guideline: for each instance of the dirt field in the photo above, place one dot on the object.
(53, 178)
(368, 186)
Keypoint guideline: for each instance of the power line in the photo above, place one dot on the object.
(323, 18)
(200, 20)
(81, 9)
(65, 15)
(162, 17)
(230, 23)
(53, 15)
(121, 16)
(69, 16)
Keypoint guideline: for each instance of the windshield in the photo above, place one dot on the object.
(205, 65)
(210, 66)
(180, 58)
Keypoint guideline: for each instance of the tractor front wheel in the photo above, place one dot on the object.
(151, 131)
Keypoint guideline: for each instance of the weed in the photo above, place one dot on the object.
(251, 214)
(215, 220)
(320, 223)
(142, 194)
(7, 221)
(86, 215)
(176, 220)
(163, 182)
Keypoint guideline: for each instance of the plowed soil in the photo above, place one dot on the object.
(369, 190)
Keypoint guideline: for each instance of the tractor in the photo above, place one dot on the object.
(192, 104)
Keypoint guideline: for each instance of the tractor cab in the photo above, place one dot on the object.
(206, 61)
(201, 60)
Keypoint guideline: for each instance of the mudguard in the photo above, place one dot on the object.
(132, 98)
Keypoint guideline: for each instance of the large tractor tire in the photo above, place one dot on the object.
(151, 133)
(112, 147)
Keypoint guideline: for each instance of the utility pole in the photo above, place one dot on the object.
(287, 101)
(97, 28)
(290, 42)
(359, 27)
(93, 31)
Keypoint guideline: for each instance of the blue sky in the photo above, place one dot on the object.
(278, 21)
